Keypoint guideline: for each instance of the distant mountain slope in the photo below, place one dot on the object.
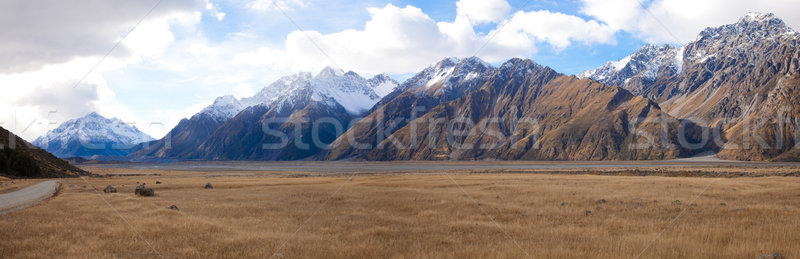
(20, 159)
(232, 129)
(92, 135)
(741, 79)
(521, 110)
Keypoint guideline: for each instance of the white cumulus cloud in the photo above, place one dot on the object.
(405, 39)
(483, 11)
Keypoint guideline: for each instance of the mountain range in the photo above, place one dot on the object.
(740, 80)
(232, 129)
(733, 91)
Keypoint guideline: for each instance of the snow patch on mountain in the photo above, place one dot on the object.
(385, 88)
(441, 76)
(351, 91)
(679, 59)
(619, 65)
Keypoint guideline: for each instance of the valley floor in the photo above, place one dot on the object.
(492, 213)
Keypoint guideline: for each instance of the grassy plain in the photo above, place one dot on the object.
(457, 214)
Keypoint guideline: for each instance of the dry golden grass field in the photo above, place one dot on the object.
(458, 214)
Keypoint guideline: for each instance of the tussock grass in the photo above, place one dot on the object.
(412, 216)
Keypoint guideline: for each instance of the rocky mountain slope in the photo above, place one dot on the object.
(442, 82)
(521, 110)
(740, 80)
(92, 135)
(20, 159)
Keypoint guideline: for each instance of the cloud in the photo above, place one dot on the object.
(680, 21)
(483, 11)
(408, 32)
(617, 14)
(560, 30)
(36, 33)
(49, 46)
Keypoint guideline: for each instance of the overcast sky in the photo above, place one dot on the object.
(185, 53)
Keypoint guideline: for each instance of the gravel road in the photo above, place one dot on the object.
(27, 197)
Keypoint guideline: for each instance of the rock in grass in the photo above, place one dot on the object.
(110, 189)
(144, 191)
(208, 186)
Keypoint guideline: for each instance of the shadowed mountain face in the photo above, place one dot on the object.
(293, 132)
(519, 111)
(182, 139)
(741, 79)
(20, 159)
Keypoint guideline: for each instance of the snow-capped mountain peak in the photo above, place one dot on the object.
(224, 108)
(646, 62)
(227, 107)
(753, 26)
(713, 47)
(448, 71)
(91, 129)
(764, 19)
(330, 72)
(757, 17)
(353, 92)
(331, 85)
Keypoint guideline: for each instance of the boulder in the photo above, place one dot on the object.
(110, 189)
(144, 191)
